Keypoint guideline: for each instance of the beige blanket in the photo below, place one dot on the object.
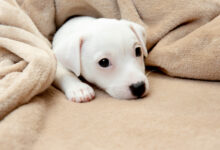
(183, 41)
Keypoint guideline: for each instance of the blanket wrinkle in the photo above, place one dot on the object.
(35, 70)
(184, 39)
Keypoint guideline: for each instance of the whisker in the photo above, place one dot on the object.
(148, 74)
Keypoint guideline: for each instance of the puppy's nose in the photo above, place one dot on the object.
(137, 89)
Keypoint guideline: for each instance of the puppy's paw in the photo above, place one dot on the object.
(80, 93)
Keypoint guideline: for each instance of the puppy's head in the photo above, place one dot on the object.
(111, 55)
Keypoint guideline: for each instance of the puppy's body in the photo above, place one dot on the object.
(106, 52)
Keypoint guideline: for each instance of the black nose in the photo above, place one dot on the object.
(137, 89)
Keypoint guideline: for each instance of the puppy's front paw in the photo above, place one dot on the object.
(80, 93)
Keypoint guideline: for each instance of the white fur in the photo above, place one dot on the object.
(79, 45)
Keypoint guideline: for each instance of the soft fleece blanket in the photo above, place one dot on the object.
(183, 41)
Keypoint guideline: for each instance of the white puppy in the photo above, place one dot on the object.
(106, 52)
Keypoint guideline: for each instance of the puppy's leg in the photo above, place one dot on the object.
(74, 89)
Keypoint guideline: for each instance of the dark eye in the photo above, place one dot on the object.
(104, 62)
(138, 51)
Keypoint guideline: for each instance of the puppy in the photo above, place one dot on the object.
(108, 53)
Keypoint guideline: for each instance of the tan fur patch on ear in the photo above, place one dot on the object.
(140, 39)
(135, 33)
(80, 44)
(143, 34)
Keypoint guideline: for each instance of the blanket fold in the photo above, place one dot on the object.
(193, 55)
(27, 63)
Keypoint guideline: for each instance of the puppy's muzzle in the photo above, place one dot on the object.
(138, 89)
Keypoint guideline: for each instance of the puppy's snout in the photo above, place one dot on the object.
(137, 89)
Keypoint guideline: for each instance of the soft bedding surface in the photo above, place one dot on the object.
(177, 114)
(183, 41)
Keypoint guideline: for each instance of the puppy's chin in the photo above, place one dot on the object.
(120, 93)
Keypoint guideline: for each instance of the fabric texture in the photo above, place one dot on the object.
(183, 39)
(26, 60)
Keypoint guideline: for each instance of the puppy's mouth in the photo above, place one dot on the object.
(142, 96)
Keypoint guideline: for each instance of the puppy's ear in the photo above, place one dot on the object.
(140, 33)
(68, 53)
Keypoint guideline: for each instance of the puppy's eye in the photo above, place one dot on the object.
(104, 63)
(138, 51)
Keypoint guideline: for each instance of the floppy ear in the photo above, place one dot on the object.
(140, 33)
(68, 53)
